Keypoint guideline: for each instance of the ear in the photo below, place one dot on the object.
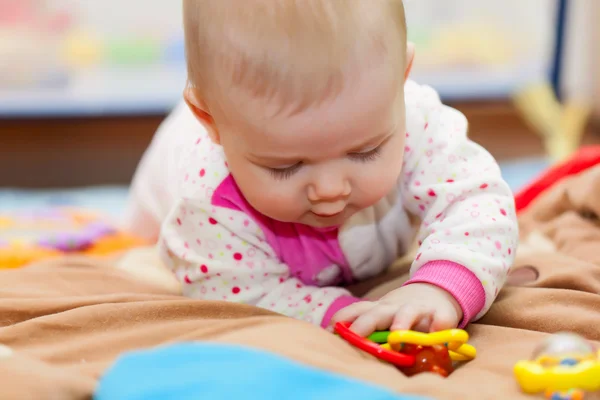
(201, 112)
(410, 58)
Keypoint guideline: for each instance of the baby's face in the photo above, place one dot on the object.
(320, 166)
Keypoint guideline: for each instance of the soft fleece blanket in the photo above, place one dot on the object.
(65, 321)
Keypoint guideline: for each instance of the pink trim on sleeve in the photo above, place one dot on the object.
(337, 305)
(456, 280)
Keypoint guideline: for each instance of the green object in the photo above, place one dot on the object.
(133, 51)
(379, 337)
(421, 38)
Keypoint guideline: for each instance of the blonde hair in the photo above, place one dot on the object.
(293, 50)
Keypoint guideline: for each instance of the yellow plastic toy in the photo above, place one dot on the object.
(454, 339)
(564, 367)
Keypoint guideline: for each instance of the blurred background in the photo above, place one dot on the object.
(85, 83)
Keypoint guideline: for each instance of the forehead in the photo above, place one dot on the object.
(369, 103)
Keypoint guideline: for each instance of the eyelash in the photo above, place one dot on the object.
(371, 155)
(286, 173)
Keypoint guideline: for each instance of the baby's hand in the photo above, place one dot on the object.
(420, 307)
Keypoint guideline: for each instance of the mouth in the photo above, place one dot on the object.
(327, 215)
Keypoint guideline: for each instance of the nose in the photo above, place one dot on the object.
(328, 187)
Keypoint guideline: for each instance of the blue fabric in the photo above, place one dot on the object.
(110, 200)
(195, 371)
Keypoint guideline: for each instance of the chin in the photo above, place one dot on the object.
(312, 220)
(281, 217)
(322, 225)
(324, 222)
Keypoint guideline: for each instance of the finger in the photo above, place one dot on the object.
(443, 320)
(350, 313)
(407, 317)
(423, 324)
(377, 318)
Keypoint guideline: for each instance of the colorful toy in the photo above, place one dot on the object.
(414, 352)
(560, 126)
(564, 367)
(26, 237)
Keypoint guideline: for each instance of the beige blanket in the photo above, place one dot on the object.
(66, 321)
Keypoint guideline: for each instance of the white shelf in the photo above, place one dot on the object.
(97, 93)
(479, 84)
(523, 29)
(156, 91)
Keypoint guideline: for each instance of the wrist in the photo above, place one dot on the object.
(442, 293)
(461, 283)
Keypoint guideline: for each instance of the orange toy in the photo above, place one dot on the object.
(27, 237)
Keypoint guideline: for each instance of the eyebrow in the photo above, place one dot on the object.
(372, 142)
(268, 159)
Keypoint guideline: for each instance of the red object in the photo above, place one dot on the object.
(16, 13)
(434, 359)
(364, 344)
(59, 22)
(586, 157)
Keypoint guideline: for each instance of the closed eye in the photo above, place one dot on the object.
(367, 156)
(285, 173)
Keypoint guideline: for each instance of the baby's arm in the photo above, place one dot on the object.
(469, 231)
(155, 185)
(221, 254)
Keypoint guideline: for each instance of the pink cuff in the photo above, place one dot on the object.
(337, 305)
(456, 280)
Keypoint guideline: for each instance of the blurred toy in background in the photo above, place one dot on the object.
(56, 44)
(561, 126)
(475, 49)
(86, 49)
(465, 46)
(35, 235)
(30, 33)
(81, 49)
(33, 13)
(99, 55)
(559, 106)
(564, 367)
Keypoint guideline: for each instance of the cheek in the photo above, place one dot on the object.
(278, 194)
(281, 201)
(374, 188)
(380, 178)
(276, 199)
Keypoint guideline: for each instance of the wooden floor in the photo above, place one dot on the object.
(74, 152)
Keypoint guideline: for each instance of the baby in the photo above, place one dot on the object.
(299, 160)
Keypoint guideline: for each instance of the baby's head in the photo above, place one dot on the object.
(306, 98)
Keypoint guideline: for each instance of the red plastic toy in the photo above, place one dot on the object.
(434, 359)
(414, 352)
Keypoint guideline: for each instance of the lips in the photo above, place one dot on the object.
(327, 215)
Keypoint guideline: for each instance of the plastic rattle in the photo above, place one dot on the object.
(414, 352)
(564, 367)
